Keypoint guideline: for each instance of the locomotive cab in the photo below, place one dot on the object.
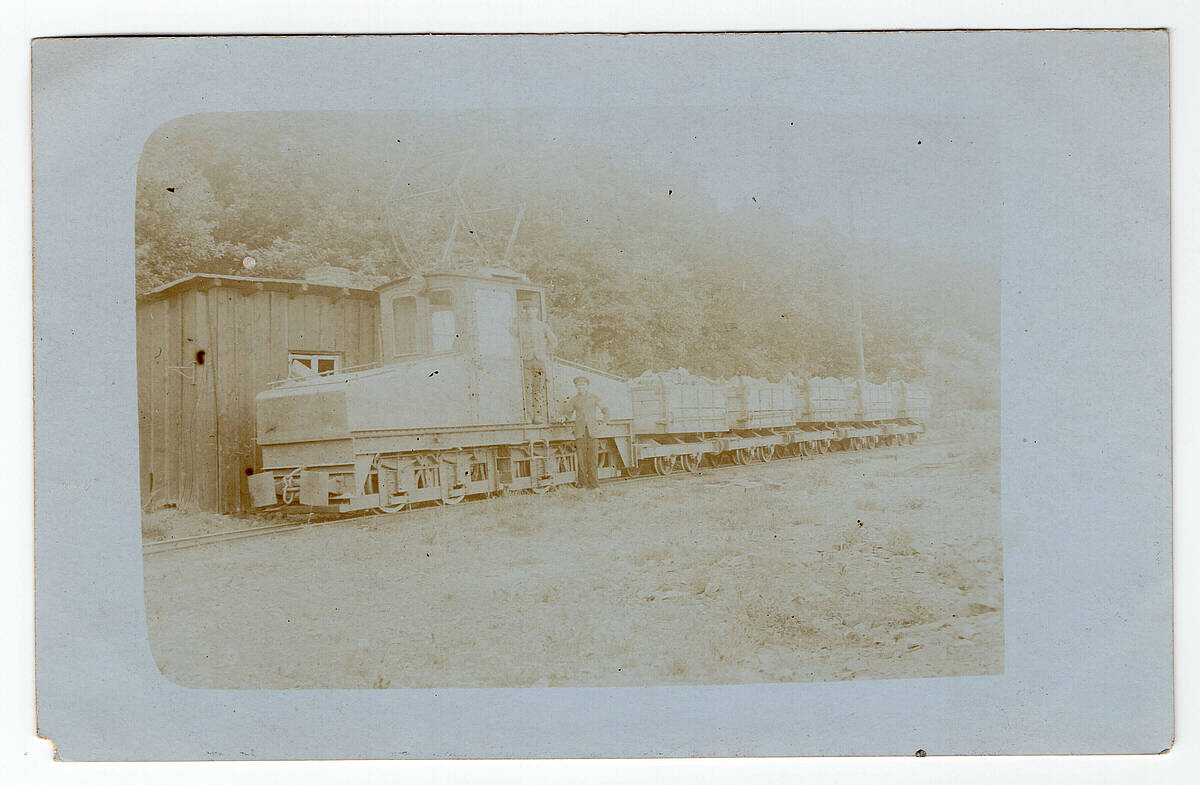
(465, 323)
(448, 312)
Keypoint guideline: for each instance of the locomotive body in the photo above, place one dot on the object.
(441, 417)
(444, 414)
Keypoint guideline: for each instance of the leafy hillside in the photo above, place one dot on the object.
(645, 270)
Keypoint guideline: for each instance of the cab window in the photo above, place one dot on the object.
(494, 321)
(404, 314)
(441, 316)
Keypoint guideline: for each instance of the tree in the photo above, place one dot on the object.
(176, 214)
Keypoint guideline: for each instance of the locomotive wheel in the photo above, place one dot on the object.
(388, 509)
(806, 449)
(690, 461)
(664, 464)
(538, 489)
(766, 453)
(634, 469)
(291, 487)
(743, 455)
(452, 500)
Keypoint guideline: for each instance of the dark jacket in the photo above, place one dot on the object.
(583, 407)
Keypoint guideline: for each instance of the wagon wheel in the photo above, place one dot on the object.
(388, 509)
(664, 464)
(766, 453)
(633, 469)
(690, 461)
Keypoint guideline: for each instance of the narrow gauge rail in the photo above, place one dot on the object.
(180, 543)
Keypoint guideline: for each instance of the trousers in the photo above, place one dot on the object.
(535, 388)
(585, 461)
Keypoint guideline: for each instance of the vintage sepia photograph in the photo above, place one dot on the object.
(603, 396)
(569, 398)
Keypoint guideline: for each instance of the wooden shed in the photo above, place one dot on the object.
(206, 345)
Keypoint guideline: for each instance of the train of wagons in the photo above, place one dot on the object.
(444, 415)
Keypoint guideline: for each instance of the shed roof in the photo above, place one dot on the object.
(478, 274)
(209, 280)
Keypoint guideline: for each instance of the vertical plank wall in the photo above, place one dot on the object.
(197, 428)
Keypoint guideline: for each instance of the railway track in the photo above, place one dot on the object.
(180, 543)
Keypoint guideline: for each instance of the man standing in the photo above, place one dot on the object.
(537, 346)
(583, 407)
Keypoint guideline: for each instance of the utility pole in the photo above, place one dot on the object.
(856, 273)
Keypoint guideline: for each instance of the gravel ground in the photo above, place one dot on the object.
(885, 564)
